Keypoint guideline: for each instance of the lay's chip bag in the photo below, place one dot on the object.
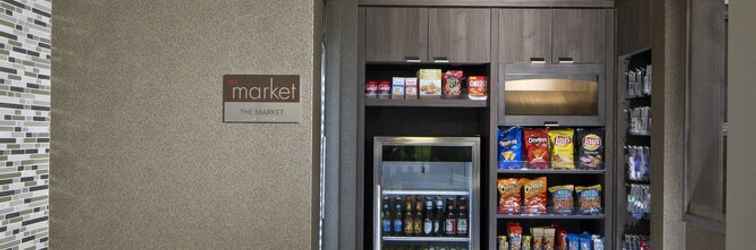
(562, 148)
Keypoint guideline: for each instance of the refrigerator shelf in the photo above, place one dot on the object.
(426, 192)
(425, 239)
(550, 217)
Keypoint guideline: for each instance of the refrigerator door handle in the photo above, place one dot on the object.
(377, 222)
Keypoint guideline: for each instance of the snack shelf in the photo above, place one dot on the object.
(425, 239)
(426, 192)
(553, 171)
(550, 216)
(426, 102)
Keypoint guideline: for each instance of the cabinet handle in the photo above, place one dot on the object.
(412, 59)
(537, 60)
(440, 59)
(566, 60)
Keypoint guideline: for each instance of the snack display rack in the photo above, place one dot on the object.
(574, 83)
(634, 138)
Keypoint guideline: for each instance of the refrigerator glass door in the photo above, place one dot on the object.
(425, 190)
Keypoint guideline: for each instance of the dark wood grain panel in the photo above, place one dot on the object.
(579, 34)
(493, 3)
(634, 22)
(392, 34)
(524, 34)
(461, 35)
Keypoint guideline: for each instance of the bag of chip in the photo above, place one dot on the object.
(549, 234)
(514, 230)
(509, 195)
(562, 148)
(591, 149)
(535, 195)
(561, 239)
(586, 241)
(537, 233)
(573, 241)
(537, 147)
(589, 199)
(510, 148)
(562, 201)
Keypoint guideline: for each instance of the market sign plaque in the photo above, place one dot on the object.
(261, 98)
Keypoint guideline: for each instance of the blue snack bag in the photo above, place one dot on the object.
(573, 242)
(510, 148)
(586, 241)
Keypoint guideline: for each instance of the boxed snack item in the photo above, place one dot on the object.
(510, 148)
(509, 195)
(591, 148)
(562, 201)
(536, 147)
(384, 89)
(410, 87)
(397, 88)
(589, 199)
(371, 89)
(562, 148)
(535, 195)
(452, 85)
(477, 87)
(430, 82)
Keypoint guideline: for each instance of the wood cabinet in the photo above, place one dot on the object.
(580, 34)
(524, 34)
(396, 34)
(460, 35)
(577, 34)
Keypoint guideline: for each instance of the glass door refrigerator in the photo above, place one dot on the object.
(426, 193)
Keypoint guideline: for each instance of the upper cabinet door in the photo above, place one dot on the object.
(396, 34)
(524, 35)
(580, 34)
(460, 35)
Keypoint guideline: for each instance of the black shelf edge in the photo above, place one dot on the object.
(552, 171)
(427, 102)
(638, 97)
(550, 217)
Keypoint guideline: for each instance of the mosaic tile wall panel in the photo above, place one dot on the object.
(25, 52)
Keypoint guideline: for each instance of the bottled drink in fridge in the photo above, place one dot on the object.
(418, 222)
(450, 228)
(462, 222)
(386, 216)
(438, 217)
(397, 223)
(409, 220)
(428, 219)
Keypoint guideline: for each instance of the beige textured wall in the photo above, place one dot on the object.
(140, 157)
